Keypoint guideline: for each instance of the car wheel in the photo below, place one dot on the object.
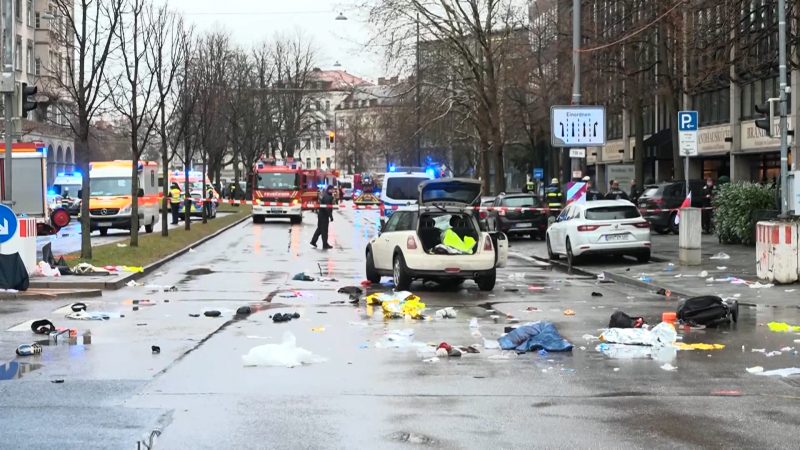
(103, 231)
(486, 282)
(673, 226)
(571, 258)
(258, 219)
(372, 275)
(402, 280)
(643, 257)
(149, 227)
(550, 253)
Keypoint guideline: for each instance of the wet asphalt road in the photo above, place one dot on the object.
(199, 395)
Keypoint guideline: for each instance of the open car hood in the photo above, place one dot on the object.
(450, 192)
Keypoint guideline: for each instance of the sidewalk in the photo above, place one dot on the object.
(733, 278)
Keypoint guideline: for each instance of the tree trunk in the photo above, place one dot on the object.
(672, 114)
(203, 191)
(187, 222)
(484, 166)
(134, 199)
(164, 174)
(638, 123)
(84, 156)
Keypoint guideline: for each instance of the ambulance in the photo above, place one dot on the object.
(110, 195)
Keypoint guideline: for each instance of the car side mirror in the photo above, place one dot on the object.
(140, 192)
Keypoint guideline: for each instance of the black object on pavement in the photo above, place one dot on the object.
(244, 311)
(13, 274)
(213, 313)
(350, 290)
(708, 310)
(621, 320)
(597, 294)
(78, 307)
(194, 315)
(42, 326)
(155, 349)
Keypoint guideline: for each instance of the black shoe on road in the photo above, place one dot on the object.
(327, 247)
(313, 244)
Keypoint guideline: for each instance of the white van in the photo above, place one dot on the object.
(401, 189)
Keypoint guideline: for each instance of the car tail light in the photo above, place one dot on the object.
(487, 245)
(589, 227)
(411, 243)
(483, 214)
(644, 224)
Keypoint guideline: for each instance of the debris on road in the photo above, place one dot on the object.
(244, 311)
(155, 349)
(350, 290)
(534, 336)
(29, 350)
(569, 312)
(759, 285)
(400, 339)
(84, 315)
(787, 372)
(698, 346)
(42, 326)
(720, 255)
(621, 320)
(449, 350)
(446, 313)
(277, 318)
(212, 313)
(44, 269)
(668, 367)
(398, 305)
(285, 354)
(302, 276)
(707, 310)
(755, 369)
(131, 283)
(662, 334)
(473, 323)
(702, 274)
(318, 330)
(597, 294)
(783, 327)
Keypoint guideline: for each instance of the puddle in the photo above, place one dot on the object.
(13, 370)
(199, 271)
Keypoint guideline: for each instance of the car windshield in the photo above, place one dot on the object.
(277, 181)
(650, 192)
(517, 202)
(612, 213)
(404, 188)
(99, 187)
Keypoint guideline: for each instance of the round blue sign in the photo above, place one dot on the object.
(8, 224)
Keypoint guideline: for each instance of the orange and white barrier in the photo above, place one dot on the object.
(24, 243)
(776, 252)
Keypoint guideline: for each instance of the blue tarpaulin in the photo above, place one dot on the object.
(535, 336)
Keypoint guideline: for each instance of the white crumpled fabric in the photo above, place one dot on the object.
(285, 354)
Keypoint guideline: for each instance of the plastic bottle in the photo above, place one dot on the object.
(29, 349)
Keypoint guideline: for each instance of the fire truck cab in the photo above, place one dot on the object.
(277, 192)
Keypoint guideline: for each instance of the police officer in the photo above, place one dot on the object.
(615, 193)
(635, 192)
(209, 197)
(174, 201)
(591, 193)
(324, 217)
(708, 200)
(553, 194)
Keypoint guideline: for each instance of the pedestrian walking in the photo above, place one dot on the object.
(324, 217)
(174, 201)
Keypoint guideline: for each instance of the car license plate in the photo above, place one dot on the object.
(524, 225)
(104, 224)
(616, 237)
(276, 211)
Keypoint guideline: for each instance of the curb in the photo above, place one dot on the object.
(85, 293)
(121, 282)
(621, 279)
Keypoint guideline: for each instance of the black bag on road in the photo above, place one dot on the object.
(707, 310)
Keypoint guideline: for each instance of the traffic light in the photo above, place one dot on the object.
(767, 111)
(331, 136)
(28, 104)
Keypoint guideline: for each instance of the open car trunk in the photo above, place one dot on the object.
(434, 225)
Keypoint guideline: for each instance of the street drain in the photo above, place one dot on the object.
(200, 271)
(412, 438)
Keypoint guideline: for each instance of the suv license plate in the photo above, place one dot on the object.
(104, 224)
(524, 225)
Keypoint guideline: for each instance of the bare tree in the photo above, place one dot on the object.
(294, 64)
(88, 32)
(135, 95)
(165, 59)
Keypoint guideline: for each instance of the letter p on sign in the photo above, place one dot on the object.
(687, 121)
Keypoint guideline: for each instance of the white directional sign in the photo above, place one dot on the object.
(577, 153)
(687, 132)
(578, 126)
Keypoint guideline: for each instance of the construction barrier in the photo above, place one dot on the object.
(24, 243)
(776, 252)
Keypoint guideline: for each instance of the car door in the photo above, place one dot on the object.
(557, 230)
(382, 247)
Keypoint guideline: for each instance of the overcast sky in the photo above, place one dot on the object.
(250, 21)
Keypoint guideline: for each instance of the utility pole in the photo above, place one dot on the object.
(417, 103)
(783, 121)
(7, 85)
(575, 163)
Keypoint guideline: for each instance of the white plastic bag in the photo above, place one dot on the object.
(44, 270)
(661, 334)
(285, 354)
(721, 255)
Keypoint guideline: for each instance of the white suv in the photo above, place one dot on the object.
(410, 245)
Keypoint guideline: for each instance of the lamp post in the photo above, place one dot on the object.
(417, 102)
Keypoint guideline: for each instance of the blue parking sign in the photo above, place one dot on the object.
(687, 121)
(538, 173)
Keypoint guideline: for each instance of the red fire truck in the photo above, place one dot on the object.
(277, 191)
(313, 181)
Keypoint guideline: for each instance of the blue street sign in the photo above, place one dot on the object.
(687, 121)
(8, 224)
(538, 173)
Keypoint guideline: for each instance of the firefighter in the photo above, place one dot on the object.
(174, 201)
(553, 194)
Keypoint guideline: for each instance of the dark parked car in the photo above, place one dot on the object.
(659, 202)
(515, 223)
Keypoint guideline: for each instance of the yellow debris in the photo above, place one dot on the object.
(698, 346)
(782, 327)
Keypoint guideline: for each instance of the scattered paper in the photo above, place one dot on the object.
(755, 369)
(668, 367)
(721, 255)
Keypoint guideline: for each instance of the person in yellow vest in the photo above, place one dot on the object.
(553, 194)
(174, 201)
(209, 197)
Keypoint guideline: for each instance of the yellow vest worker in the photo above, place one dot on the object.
(174, 196)
(553, 194)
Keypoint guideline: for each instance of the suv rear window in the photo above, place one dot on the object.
(612, 213)
(517, 202)
(650, 192)
(403, 188)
